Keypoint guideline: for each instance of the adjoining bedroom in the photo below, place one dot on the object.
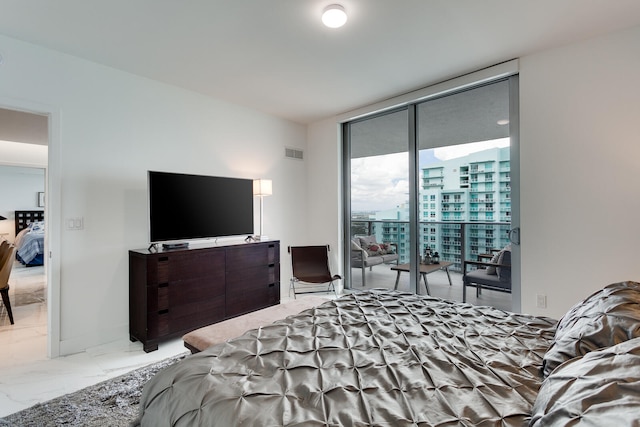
(23, 316)
(423, 213)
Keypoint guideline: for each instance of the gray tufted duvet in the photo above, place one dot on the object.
(379, 358)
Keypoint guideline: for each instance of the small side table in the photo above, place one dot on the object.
(424, 270)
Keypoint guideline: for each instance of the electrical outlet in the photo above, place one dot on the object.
(541, 301)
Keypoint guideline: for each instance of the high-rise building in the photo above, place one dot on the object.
(474, 189)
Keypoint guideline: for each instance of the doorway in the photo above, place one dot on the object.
(24, 141)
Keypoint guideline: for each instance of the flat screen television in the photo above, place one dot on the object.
(189, 207)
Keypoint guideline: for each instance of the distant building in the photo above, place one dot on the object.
(471, 189)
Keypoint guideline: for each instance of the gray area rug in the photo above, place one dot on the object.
(110, 403)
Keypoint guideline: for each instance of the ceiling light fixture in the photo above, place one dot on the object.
(334, 16)
(503, 122)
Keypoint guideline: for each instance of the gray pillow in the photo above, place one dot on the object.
(606, 318)
(600, 389)
(504, 273)
(494, 260)
(500, 258)
(367, 241)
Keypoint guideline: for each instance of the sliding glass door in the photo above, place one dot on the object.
(436, 176)
(464, 152)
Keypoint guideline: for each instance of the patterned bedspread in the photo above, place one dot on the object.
(379, 358)
(30, 243)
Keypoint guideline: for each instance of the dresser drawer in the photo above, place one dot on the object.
(256, 254)
(182, 266)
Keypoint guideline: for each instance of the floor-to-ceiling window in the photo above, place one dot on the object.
(459, 189)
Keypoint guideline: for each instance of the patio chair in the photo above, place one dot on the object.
(310, 269)
(367, 252)
(494, 275)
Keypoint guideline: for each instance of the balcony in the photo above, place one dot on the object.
(457, 241)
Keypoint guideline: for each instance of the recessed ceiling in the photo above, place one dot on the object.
(277, 56)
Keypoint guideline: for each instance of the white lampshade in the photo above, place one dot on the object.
(334, 16)
(262, 187)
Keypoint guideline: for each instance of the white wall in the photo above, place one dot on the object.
(324, 213)
(580, 124)
(114, 127)
(19, 187)
(580, 192)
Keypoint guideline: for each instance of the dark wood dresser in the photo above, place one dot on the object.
(172, 292)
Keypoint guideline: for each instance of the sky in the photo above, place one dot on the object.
(381, 182)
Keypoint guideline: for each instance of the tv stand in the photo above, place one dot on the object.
(174, 291)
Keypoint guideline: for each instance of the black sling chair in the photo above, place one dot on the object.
(310, 269)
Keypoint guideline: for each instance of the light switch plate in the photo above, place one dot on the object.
(541, 301)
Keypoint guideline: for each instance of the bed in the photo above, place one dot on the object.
(29, 241)
(389, 358)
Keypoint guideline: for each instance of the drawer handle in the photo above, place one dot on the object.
(165, 311)
(163, 285)
(271, 285)
(163, 259)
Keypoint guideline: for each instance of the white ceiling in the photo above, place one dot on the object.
(277, 57)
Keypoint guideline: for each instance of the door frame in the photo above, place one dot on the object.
(514, 161)
(51, 212)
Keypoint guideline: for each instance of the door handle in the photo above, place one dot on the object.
(514, 235)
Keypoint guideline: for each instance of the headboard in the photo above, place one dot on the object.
(24, 218)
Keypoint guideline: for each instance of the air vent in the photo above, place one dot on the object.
(293, 153)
